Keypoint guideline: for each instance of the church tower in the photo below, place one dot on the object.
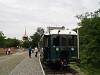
(25, 37)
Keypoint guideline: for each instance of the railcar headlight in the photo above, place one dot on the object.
(72, 49)
(57, 49)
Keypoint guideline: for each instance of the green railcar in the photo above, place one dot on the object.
(60, 46)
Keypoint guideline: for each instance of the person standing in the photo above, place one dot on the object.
(9, 51)
(30, 50)
(36, 51)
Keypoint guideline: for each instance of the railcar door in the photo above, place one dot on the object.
(59, 46)
(55, 47)
(64, 53)
(46, 48)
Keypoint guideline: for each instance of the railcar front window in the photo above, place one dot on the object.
(63, 41)
(56, 41)
(71, 40)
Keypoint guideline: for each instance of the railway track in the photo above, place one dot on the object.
(50, 70)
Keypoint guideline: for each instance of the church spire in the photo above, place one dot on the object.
(25, 31)
(25, 37)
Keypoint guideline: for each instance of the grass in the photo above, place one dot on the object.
(86, 71)
(81, 72)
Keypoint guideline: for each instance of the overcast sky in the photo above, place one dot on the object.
(15, 15)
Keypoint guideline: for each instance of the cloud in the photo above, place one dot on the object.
(15, 15)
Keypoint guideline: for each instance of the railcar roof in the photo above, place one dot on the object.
(57, 31)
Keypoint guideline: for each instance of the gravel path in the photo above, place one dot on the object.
(9, 62)
(29, 66)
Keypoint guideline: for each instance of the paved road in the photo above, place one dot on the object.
(9, 62)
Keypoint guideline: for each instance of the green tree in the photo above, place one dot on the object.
(26, 44)
(40, 31)
(2, 38)
(36, 37)
(90, 40)
(11, 42)
(8, 42)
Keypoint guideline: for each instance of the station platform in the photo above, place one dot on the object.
(28, 66)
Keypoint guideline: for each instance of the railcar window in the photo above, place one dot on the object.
(46, 41)
(56, 41)
(63, 39)
(71, 40)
